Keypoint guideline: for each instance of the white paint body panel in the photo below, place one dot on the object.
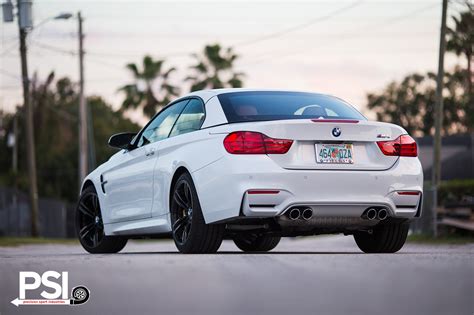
(137, 188)
(132, 175)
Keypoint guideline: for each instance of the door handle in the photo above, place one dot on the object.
(150, 153)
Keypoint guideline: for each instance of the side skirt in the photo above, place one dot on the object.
(154, 225)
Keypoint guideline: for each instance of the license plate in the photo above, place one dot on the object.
(334, 153)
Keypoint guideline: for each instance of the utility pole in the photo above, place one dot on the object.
(24, 23)
(15, 146)
(83, 148)
(436, 169)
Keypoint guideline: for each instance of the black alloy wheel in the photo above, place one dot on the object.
(190, 232)
(90, 227)
(256, 242)
(387, 237)
(183, 214)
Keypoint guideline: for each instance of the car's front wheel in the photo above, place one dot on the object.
(90, 227)
(191, 234)
(254, 242)
(385, 238)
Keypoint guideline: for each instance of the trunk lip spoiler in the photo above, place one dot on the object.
(347, 121)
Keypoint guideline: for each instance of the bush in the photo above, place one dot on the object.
(455, 191)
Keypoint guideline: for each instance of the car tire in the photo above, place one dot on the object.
(385, 238)
(90, 228)
(190, 232)
(251, 242)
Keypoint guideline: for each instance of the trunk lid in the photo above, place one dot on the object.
(309, 135)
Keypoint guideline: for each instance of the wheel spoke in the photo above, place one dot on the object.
(187, 194)
(89, 220)
(86, 230)
(179, 200)
(249, 238)
(186, 231)
(179, 229)
(184, 235)
(85, 210)
(182, 211)
(180, 223)
(95, 204)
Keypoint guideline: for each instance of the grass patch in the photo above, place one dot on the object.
(441, 240)
(17, 241)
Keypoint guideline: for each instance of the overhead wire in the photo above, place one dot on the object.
(358, 32)
(300, 26)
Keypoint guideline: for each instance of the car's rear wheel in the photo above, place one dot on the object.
(255, 242)
(191, 234)
(90, 227)
(386, 238)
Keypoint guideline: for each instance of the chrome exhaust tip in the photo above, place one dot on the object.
(294, 214)
(371, 214)
(382, 214)
(307, 214)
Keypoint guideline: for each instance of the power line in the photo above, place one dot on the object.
(9, 74)
(105, 63)
(73, 53)
(299, 27)
(248, 42)
(10, 87)
(120, 54)
(358, 32)
(93, 56)
(130, 54)
(100, 54)
(9, 49)
(54, 48)
(403, 17)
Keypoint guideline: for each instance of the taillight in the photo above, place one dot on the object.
(249, 142)
(402, 146)
(409, 193)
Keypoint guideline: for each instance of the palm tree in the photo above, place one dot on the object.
(152, 76)
(214, 69)
(461, 40)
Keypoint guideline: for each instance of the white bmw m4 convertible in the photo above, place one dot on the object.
(254, 166)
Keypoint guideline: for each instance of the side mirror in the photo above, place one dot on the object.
(121, 140)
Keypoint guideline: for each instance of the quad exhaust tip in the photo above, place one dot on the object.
(300, 213)
(294, 214)
(382, 214)
(307, 214)
(372, 214)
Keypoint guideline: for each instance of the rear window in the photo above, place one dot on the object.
(262, 105)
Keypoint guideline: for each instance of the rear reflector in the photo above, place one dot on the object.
(249, 142)
(263, 192)
(347, 121)
(409, 193)
(402, 146)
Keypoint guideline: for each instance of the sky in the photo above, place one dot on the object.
(344, 48)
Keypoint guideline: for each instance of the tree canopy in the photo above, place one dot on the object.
(55, 104)
(460, 40)
(214, 69)
(151, 89)
(410, 102)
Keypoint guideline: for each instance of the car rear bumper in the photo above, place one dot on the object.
(223, 188)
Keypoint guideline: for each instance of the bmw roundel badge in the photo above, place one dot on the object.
(336, 132)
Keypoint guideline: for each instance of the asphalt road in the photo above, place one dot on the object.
(321, 275)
